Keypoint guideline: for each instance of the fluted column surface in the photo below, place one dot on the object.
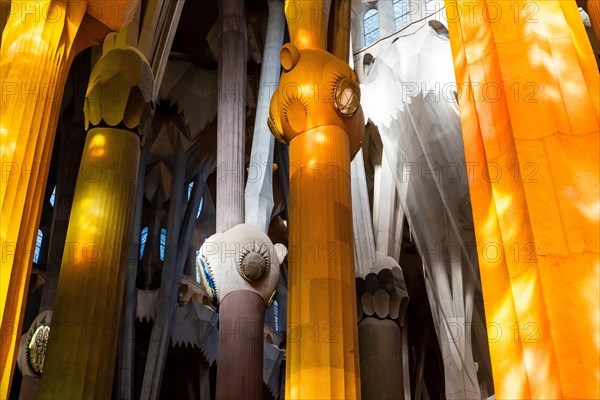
(83, 337)
(241, 322)
(231, 118)
(322, 359)
(34, 61)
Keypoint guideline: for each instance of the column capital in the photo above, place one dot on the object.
(120, 89)
(316, 89)
(381, 293)
(241, 258)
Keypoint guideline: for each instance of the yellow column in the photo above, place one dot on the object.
(34, 61)
(84, 330)
(316, 110)
(529, 103)
(39, 41)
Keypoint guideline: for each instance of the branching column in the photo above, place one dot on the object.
(316, 110)
(382, 301)
(259, 189)
(84, 330)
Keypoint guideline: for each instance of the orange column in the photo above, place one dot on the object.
(528, 97)
(39, 41)
(322, 333)
(316, 110)
(37, 49)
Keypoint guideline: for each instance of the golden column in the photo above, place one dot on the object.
(84, 330)
(316, 110)
(39, 41)
(529, 99)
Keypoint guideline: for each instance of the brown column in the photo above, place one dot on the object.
(380, 359)
(382, 299)
(241, 346)
(231, 118)
(240, 359)
(29, 387)
(593, 10)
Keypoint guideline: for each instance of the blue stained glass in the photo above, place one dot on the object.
(163, 243)
(53, 196)
(143, 238)
(38, 246)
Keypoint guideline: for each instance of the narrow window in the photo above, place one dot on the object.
(189, 194)
(401, 13)
(53, 196)
(143, 238)
(200, 207)
(371, 26)
(163, 243)
(276, 314)
(190, 187)
(38, 246)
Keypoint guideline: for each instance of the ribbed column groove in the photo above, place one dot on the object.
(322, 357)
(35, 58)
(231, 118)
(241, 321)
(82, 346)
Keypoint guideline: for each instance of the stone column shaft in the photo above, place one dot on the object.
(384, 207)
(380, 359)
(83, 340)
(126, 356)
(169, 286)
(231, 118)
(239, 372)
(28, 119)
(322, 359)
(323, 128)
(259, 189)
(241, 334)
